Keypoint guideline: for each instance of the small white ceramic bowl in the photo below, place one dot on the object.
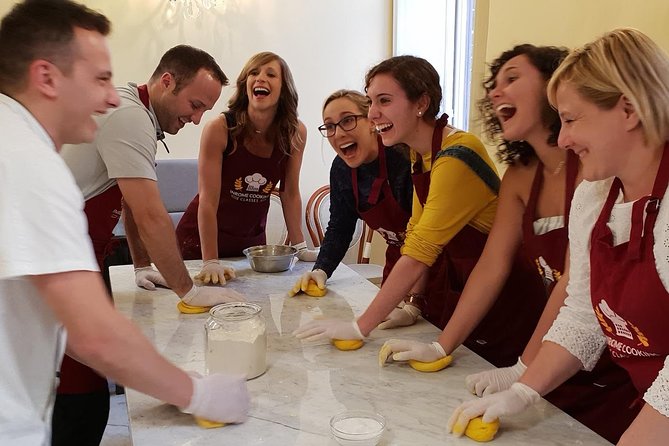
(357, 428)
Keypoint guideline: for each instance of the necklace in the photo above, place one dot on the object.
(559, 167)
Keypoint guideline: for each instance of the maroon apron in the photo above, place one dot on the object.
(628, 297)
(603, 398)
(501, 336)
(102, 213)
(385, 215)
(547, 251)
(247, 182)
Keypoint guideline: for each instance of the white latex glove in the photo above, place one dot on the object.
(401, 317)
(213, 271)
(208, 296)
(305, 254)
(509, 402)
(328, 329)
(494, 380)
(147, 278)
(404, 349)
(317, 275)
(219, 397)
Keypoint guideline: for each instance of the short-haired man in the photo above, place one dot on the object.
(118, 169)
(55, 74)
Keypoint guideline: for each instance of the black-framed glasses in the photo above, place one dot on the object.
(346, 123)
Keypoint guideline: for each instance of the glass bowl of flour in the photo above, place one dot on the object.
(357, 428)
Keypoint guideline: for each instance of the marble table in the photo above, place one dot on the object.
(307, 383)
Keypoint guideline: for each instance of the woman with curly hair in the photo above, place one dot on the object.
(533, 217)
(244, 153)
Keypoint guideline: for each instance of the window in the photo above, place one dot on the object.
(440, 31)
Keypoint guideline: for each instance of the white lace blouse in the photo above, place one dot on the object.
(576, 327)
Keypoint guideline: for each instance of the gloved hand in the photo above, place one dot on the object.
(509, 402)
(317, 275)
(404, 350)
(304, 254)
(494, 380)
(401, 317)
(147, 278)
(219, 397)
(207, 296)
(213, 271)
(328, 329)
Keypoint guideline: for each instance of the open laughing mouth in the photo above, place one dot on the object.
(260, 92)
(381, 128)
(349, 149)
(505, 112)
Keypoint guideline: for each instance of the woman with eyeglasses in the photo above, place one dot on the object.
(612, 96)
(367, 181)
(455, 200)
(244, 154)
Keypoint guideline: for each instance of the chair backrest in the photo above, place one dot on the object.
(317, 216)
(177, 182)
(276, 231)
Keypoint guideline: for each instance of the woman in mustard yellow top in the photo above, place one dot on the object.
(454, 204)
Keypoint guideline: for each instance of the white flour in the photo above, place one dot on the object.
(240, 352)
(358, 427)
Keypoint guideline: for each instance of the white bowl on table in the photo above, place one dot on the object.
(357, 428)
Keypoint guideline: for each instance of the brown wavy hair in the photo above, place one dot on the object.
(285, 125)
(546, 59)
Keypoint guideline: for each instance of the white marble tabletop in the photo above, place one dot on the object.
(307, 383)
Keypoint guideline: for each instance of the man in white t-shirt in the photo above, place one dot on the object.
(55, 74)
(118, 170)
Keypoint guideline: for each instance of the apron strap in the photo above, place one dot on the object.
(572, 173)
(143, 92)
(475, 163)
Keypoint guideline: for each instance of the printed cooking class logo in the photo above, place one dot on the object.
(252, 193)
(624, 329)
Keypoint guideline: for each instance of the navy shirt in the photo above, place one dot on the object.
(343, 213)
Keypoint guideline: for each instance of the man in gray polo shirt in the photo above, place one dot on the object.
(116, 172)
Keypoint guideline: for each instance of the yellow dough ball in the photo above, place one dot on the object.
(208, 424)
(190, 309)
(480, 431)
(433, 366)
(348, 344)
(313, 290)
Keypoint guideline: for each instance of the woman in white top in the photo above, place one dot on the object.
(613, 99)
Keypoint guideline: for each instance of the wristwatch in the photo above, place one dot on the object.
(417, 300)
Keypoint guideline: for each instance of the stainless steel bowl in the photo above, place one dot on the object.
(270, 258)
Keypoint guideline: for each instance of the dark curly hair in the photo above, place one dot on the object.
(544, 58)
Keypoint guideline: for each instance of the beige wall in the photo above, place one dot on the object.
(501, 24)
(328, 44)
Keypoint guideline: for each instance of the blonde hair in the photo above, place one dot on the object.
(623, 62)
(360, 100)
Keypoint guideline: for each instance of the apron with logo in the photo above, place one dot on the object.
(501, 336)
(385, 215)
(628, 297)
(600, 399)
(247, 182)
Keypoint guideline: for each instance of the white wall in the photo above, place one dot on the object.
(328, 44)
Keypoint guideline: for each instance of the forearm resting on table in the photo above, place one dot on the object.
(548, 316)
(552, 366)
(207, 220)
(402, 278)
(105, 340)
(156, 233)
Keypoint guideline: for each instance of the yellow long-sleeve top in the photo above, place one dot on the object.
(457, 197)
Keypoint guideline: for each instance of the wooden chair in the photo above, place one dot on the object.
(317, 215)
